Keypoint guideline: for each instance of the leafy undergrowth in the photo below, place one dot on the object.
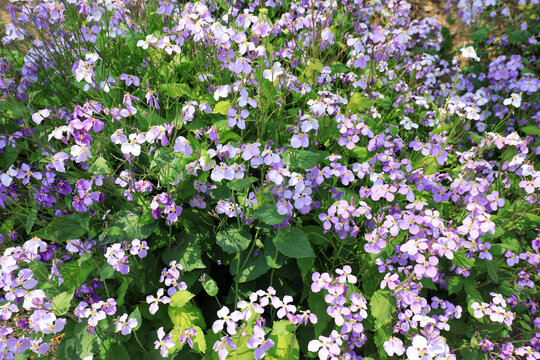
(279, 180)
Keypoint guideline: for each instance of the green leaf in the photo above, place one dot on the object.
(221, 108)
(175, 90)
(305, 265)
(199, 341)
(251, 270)
(480, 35)
(233, 240)
(318, 306)
(186, 316)
(188, 253)
(8, 157)
(360, 152)
(382, 305)
(531, 130)
(136, 314)
(241, 184)
(100, 167)
(133, 225)
(315, 235)
(117, 351)
(473, 295)
(293, 242)
(65, 228)
(357, 103)
(30, 220)
(493, 268)
(313, 69)
(75, 274)
(221, 192)
(62, 302)
(461, 260)
(455, 284)
(210, 286)
(268, 214)
(181, 298)
(305, 159)
(282, 327)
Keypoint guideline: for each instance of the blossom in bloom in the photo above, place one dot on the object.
(221, 347)
(469, 53)
(163, 343)
(181, 144)
(80, 153)
(259, 343)
(394, 346)
(40, 115)
(325, 346)
(514, 100)
(225, 318)
(133, 146)
(57, 161)
(154, 301)
(408, 124)
(273, 73)
(126, 326)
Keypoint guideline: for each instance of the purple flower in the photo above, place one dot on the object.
(259, 343)
(154, 301)
(163, 343)
(237, 118)
(124, 325)
(221, 346)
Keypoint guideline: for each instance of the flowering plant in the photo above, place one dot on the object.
(280, 179)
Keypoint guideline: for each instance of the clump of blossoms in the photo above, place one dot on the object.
(260, 145)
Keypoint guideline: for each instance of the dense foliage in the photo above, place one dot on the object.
(281, 180)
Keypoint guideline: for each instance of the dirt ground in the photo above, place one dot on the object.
(436, 8)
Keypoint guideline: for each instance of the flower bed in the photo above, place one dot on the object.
(280, 180)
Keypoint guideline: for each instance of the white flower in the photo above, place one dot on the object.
(469, 53)
(150, 39)
(514, 99)
(273, 73)
(408, 124)
(80, 153)
(40, 115)
(133, 145)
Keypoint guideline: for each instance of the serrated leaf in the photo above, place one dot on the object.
(233, 240)
(357, 103)
(455, 284)
(382, 305)
(100, 167)
(293, 242)
(188, 253)
(461, 260)
(133, 226)
(241, 184)
(305, 159)
(186, 316)
(62, 302)
(305, 265)
(268, 214)
(180, 298)
(175, 90)
(254, 267)
(221, 108)
(117, 352)
(68, 227)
